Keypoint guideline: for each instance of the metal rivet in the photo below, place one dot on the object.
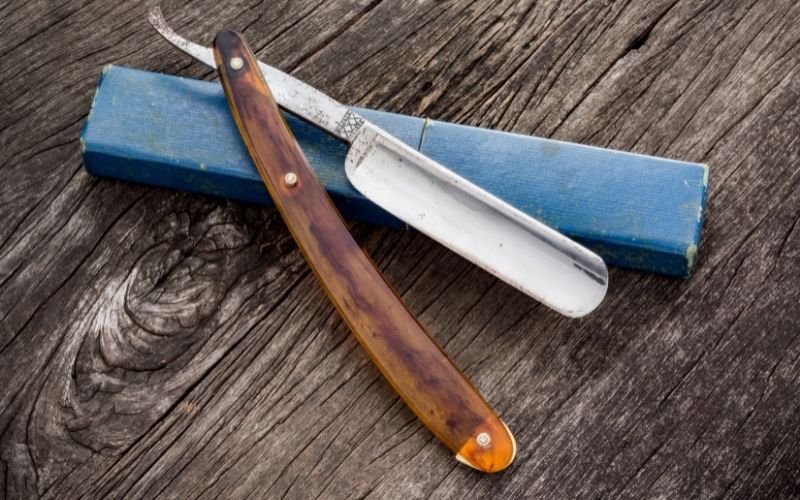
(237, 63)
(290, 179)
(483, 439)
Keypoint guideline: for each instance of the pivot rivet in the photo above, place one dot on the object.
(483, 439)
(290, 179)
(237, 63)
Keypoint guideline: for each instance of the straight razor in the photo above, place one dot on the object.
(465, 218)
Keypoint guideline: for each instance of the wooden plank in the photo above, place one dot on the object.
(162, 343)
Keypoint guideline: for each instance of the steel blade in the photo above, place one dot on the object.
(465, 218)
(475, 224)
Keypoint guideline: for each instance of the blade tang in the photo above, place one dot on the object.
(416, 367)
(293, 95)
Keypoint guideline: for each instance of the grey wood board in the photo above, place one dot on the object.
(155, 343)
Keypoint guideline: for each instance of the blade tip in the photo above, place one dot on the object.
(156, 18)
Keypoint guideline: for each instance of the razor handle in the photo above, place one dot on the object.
(410, 360)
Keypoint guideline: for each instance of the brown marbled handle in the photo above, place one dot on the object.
(416, 367)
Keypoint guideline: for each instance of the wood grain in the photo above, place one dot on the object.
(157, 343)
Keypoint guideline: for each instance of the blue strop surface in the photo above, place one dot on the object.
(636, 211)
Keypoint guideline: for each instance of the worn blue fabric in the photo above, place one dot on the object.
(636, 211)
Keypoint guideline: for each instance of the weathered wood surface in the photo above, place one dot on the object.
(157, 343)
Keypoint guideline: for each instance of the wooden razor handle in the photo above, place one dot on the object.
(416, 367)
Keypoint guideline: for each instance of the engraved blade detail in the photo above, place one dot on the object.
(350, 125)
